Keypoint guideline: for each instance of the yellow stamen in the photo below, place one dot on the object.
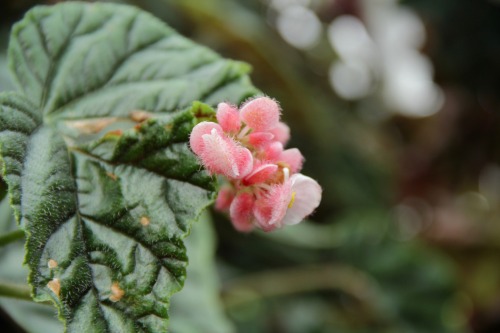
(290, 205)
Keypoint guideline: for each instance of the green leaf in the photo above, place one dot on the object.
(41, 317)
(198, 308)
(416, 284)
(95, 154)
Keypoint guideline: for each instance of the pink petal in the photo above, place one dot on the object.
(224, 198)
(228, 117)
(293, 158)
(281, 133)
(273, 151)
(222, 155)
(306, 196)
(260, 138)
(270, 208)
(260, 174)
(261, 114)
(241, 212)
(196, 138)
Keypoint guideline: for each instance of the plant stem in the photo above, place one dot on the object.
(11, 237)
(15, 290)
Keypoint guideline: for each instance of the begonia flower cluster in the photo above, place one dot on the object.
(263, 186)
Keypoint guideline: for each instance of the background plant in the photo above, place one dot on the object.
(400, 193)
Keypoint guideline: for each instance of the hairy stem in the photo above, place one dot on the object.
(11, 237)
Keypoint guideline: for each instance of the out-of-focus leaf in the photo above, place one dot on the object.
(416, 284)
(5, 79)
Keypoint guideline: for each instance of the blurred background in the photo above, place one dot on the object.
(395, 105)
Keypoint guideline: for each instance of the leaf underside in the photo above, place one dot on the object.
(95, 153)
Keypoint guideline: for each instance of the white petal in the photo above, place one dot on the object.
(307, 198)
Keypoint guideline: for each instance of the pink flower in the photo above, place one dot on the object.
(224, 198)
(260, 174)
(260, 139)
(273, 151)
(241, 212)
(261, 114)
(270, 208)
(196, 139)
(219, 153)
(306, 196)
(281, 133)
(228, 117)
(288, 203)
(264, 188)
(293, 159)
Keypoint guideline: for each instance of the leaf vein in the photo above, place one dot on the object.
(53, 69)
(138, 241)
(102, 85)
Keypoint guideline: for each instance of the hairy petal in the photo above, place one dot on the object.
(261, 114)
(224, 198)
(271, 208)
(260, 174)
(241, 212)
(306, 194)
(260, 139)
(228, 117)
(281, 133)
(196, 138)
(222, 155)
(273, 151)
(293, 158)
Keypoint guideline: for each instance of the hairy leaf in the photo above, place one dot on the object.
(198, 308)
(95, 153)
(41, 317)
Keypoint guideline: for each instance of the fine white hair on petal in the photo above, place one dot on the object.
(241, 212)
(271, 208)
(225, 156)
(228, 117)
(261, 113)
(196, 138)
(244, 161)
(306, 198)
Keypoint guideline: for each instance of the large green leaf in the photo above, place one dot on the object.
(41, 317)
(95, 154)
(198, 308)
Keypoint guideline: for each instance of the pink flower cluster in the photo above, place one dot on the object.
(246, 146)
